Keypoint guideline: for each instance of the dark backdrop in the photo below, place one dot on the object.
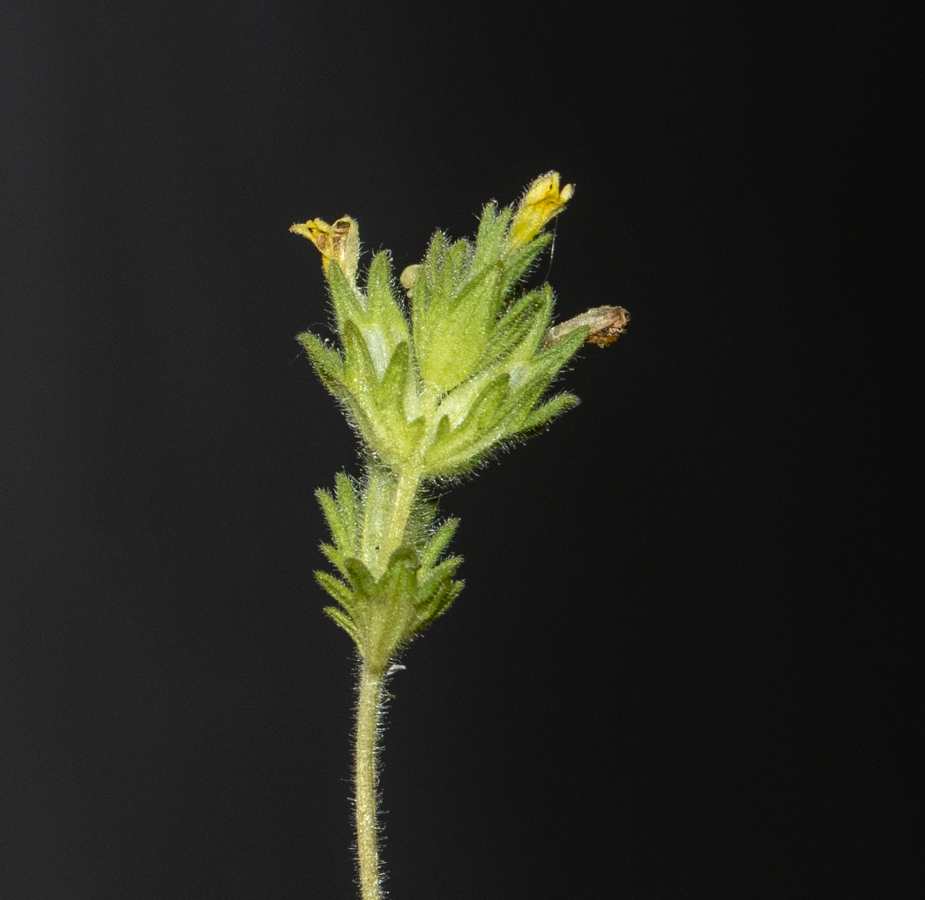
(668, 673)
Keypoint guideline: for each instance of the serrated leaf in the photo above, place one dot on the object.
(360, 578)
(440, 573)
(337, 589)
(349, 505)
(332, 515)
(436, 606)
(336, 557)
(400, 574)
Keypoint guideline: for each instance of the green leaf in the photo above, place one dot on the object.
(447, 276)
(327, 363)
(400, 576)
(332, 514)
(349, 505)
(543, 415)
(434, 258)
(436, 605)
(454, 268)
(438, 543)
(337, 589)
(430, 583)
(360, 578)
(345, 622)
(336, 557)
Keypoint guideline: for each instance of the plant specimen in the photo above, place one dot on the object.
(435, 374)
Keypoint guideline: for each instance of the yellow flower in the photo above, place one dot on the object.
(542, 202)
(340, 242)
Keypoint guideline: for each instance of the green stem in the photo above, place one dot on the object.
(388, 505)
(369, 705)
(406, 491)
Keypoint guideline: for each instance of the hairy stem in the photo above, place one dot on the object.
(406, 491)
(389, 502)
(369, 706)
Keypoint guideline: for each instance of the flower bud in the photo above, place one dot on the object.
(540, 204)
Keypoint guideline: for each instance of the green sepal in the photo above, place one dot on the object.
(492, 231)
(448, 277)
(550, 362)
(359, 368)
(347, 302)
(457, 339)
(521, 327)
(390, 392)
(382, 308)
(452, 324)
(351, 386)
(431, 267)
(517, 264)
(400, 437)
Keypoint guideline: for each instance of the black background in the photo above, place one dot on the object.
(669, 673)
